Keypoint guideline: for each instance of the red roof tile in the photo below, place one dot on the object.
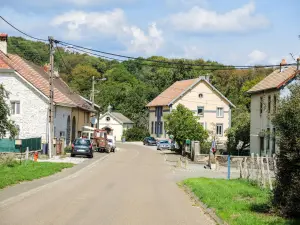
(3, 65)
(40, 79)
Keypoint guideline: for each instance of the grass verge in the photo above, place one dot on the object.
(15, 173)
(236, 201)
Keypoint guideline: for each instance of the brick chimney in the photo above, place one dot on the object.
(282, 65)
(3, 43)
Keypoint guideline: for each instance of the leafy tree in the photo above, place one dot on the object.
(286, 196)
(82, 79)
(239, 131)
(136, 134)
(5, 123)
(182, 124)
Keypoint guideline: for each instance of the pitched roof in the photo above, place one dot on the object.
(178, 89)
(275, 80)
(118, 116)
(121, 117)
(3, 65)
(36, 76)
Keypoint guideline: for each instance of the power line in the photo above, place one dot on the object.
(67, 67)
(39, 39)
(223, 67)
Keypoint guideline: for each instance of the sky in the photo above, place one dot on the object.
(235, 32)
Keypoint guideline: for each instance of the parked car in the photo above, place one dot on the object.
(163, 144)
(82, 146)
(149, 141)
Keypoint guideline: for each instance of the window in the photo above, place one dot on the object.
(107, 118)
(262, 140)
(275, 103)
(220, 112)
(161, 128)
(200, 95)
(200, 111)
(62, 134)
(268, 139)
(54, 131)
(15, 107)
(219, 129)
(274, 141)
(269, 104)
(152, 126)
(156, 127)
(261, 105)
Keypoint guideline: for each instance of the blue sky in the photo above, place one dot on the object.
(237, 32)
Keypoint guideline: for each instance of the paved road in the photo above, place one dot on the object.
(131, 187)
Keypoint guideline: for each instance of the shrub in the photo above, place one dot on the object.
(67, 149)
(8, 159)
(286, 196)
(136, 134)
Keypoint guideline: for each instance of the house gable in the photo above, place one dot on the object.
(112, 120)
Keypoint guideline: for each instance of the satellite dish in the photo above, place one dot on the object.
(93, 120)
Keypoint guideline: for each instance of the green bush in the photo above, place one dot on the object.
(286, 196)
(136, 134)
(68, 149)
(8, 160)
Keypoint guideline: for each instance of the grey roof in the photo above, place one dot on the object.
(121, 117)
(275, 80)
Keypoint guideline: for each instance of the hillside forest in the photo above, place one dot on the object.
(131, 84)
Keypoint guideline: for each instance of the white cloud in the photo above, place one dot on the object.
(94, 2)
(257, 56)
(112, 24)
(198, 19)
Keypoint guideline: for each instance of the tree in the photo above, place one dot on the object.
(286, 196)
(136, 134)
(239, 131)
(6, 125)
(182, 124)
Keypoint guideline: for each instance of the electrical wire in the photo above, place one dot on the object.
(67, 67)
(39, 39)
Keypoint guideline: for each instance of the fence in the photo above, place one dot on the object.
(8, 145)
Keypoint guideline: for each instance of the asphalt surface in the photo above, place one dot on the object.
(131, 187)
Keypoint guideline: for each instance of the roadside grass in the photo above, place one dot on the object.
(236, 201)
(15, 172)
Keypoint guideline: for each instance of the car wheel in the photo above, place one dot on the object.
(72, 155)
(91, 156)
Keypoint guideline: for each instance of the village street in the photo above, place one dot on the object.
(133, 186)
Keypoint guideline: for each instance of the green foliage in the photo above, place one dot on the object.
(68, 149)
(287, 122)
(182, 123)
(8, 159)
(239, 131)
(10, 175)
(236, 201)
(5, 123)
(136, 134)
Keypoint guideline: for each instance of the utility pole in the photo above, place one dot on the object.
(93, 92)
(51, 97)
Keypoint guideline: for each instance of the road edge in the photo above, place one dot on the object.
(203, 206)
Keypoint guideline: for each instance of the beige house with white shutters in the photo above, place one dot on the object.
(211, 107)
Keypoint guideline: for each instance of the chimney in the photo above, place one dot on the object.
(282, 65)
(3, 43)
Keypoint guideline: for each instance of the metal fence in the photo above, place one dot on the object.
(8, 145)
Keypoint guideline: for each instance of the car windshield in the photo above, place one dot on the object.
(164, 142)
(82, 142)
(109, 140)
(151, 139)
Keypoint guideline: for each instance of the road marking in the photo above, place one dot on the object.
(23, 195)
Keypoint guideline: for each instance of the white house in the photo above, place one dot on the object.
(264, 102)
(211, 107)
(115, 123)
(28, 87)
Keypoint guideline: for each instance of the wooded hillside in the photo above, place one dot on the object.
(132, 84)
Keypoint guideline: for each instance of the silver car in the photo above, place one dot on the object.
(163, 144)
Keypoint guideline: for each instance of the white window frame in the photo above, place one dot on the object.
(200, 107)
(13, 111)
(221, 115)
(222, 129)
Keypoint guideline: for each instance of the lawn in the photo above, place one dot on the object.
(15, 172)
(237, 202)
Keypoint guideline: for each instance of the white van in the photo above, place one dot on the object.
(111, 142)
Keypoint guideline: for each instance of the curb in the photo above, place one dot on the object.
(205, 208)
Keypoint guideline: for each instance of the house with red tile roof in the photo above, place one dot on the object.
(264, 103)
(211, 107)
(28, 87)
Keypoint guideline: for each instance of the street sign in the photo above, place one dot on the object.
(93, 120)
(240, 145)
